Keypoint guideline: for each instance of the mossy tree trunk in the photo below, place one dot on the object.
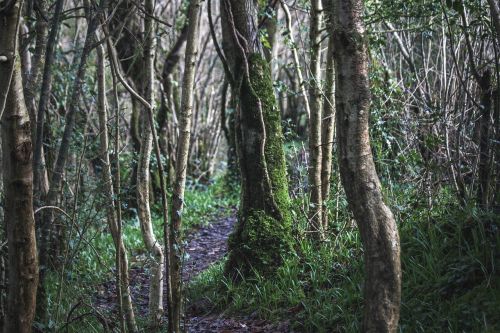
(378, 229)
(262, 235)
(232, 176)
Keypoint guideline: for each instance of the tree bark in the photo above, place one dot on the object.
(327, 132)
(143, 174)
(270, 26)
(47, 246)
(228, 112)
(379, 234)
(41, 182)
(484, 81)
(18, 181)
(315, 151)
(296, 62)
(33, 77)
(122, 277)
(262, 236)
(181, 164)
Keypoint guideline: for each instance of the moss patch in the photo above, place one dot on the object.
(262, 84)
(258, 245)
(263, 234)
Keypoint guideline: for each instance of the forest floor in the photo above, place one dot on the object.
(205, 246)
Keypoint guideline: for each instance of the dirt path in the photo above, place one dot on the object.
(205, 246)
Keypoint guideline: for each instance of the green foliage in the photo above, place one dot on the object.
(258, 244)
(450, 266)
(92, 255)
(262, 85)
(262, 235)
(304, 288)
(450, 275)
(206, 203)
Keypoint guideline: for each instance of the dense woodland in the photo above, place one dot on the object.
(250, 166)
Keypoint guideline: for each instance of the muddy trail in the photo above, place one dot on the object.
(205, 245)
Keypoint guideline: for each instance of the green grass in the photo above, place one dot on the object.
(451, 282)
(450, 260)
(93, 260)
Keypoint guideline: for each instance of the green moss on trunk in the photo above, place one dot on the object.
(263, 234)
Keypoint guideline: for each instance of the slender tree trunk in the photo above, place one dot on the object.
(379, 234)
(150, 114)
(327, 132)
(134, 131)
(484, 81)
(484, 168)
(18, 181)
(262, 236)
(40, 176)
(181, 164)
(143, 175)
(33, 77)
(296, 61)
(495, 14)
(40, 170)
(228, 112)
(271, 28)
(315, 151)
(46, 238)
(167, 110)
(122, 278)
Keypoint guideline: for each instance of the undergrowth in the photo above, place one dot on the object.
(451, 281)
(90, 261)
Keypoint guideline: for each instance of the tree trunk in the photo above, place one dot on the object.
(263, 233)
(181, 165)
(327, 132)
(484, 167)
(232, 175)
(296, 62)
(143, 175)
(47, 245)
(33, 76)
(315, 151)
(18, 181)
(379, 234)
(40, 172)
(122, 278)
(270, 26)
